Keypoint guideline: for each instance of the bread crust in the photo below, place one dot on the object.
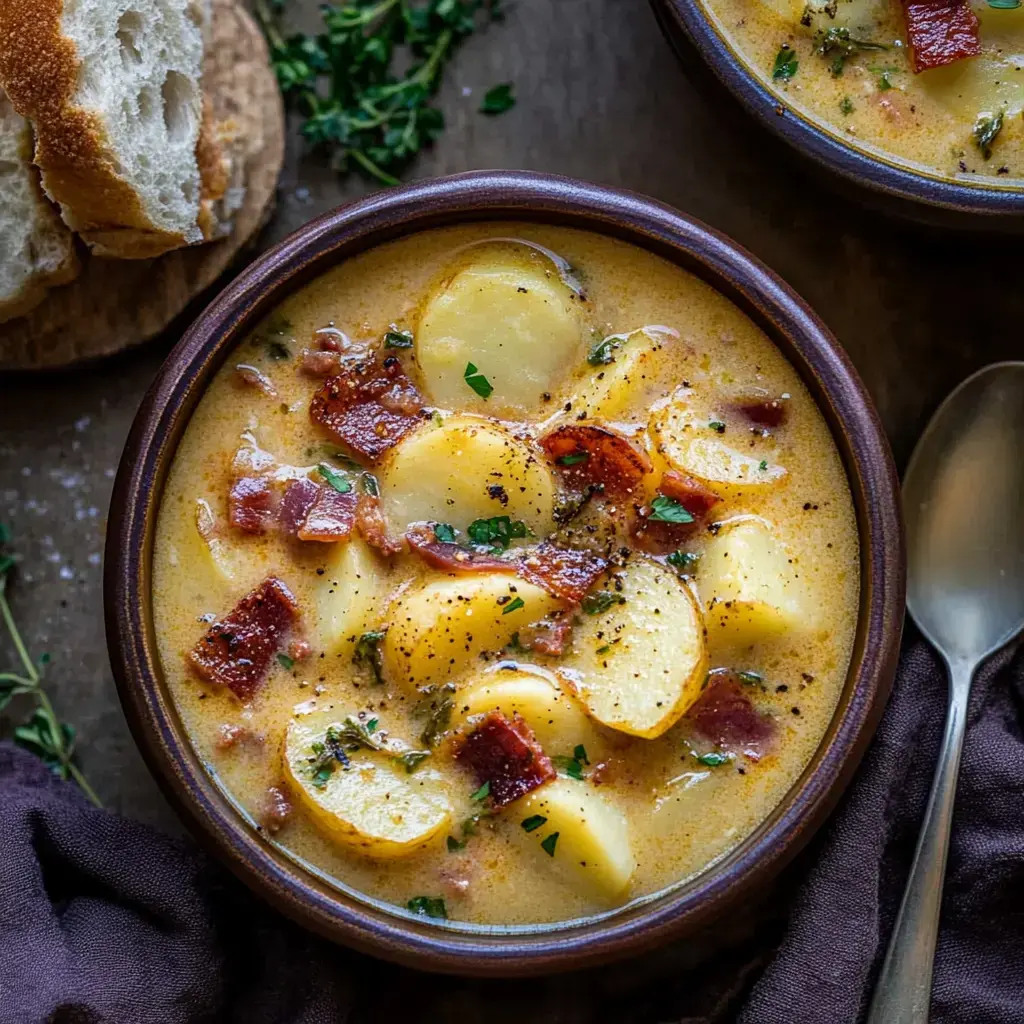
(39, 71)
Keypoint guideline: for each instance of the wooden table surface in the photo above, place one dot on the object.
(600, 97)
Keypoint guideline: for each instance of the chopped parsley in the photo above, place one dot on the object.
(533, 822)
(845, 107)
(396, 338)
(750, 678)
(454, 844)
(285, 662)
(714, 760)
(572, 766)
(837, 43)
(682, 560)
(436, 709)
(367, 652)
(334, 478)
(603, 352)
(445, 533)
(498, 99)
(580, 753)
(477, 381)
(412, 759)
(548, 844)
(572, 459)
(1004, 5)
(369, 484)
(482, 793)
(513, 606)
(428, 906)
(600, 601)
(497, 532)
(717, 426)
(986, 130)
(763, 465)
(786, 64)
(668, 510)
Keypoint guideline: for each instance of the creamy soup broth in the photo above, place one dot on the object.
(666, 807)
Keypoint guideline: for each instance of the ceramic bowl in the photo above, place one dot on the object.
(389, 931)
(884, 184)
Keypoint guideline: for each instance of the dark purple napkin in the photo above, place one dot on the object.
(103, 921)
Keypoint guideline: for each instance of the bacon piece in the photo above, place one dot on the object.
(941, 32)
(296, 503)
(277, 808)
(369, 406)
(229, 736)
(317, 363)
(373, 527)
(331, 516)
(763, 411)
(592, 455)
(564, 572)
(505, 754)
(548, 636)
(659, 537)
(723, 714)
(251, 504)
(255, 378)
(236, 652)
(698, 499)
(451, 557)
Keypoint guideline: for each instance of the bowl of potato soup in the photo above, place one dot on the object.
(505, 574)
(916, 104)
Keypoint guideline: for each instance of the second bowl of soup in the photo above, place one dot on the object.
(505, 580)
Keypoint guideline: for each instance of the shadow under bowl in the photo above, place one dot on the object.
(390, 932)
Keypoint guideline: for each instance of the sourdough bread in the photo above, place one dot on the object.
(113, 90)
(36, 249)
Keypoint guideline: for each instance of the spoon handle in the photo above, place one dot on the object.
(903, 994)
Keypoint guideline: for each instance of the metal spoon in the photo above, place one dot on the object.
(963, 496)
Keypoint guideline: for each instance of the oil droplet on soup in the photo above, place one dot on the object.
(513, 577)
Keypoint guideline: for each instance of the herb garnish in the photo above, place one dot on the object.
(497, 532)
(436, 708)
(603, 352)
(42, 733)
(682, 560)
(477, 381)
(367, 652)
(845, 107)
(396, 338)
(548, 844)
(533, 822)
(841, 46)
(342, 80)
(482, 793)
(600, 601)
(369, 484)
(334, 478)
(513, 606)
(717, 426)
(1004, 5)
(572, 766)
(428, 906)
(412, 759)
(986, 129)
(668, 510)
(445, 533)
(714, 759)
(750, 678)
(572, 459)
(763, 465)
(285, 662)
(786, 64)
(498, 99)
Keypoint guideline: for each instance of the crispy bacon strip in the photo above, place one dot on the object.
(505, 754)
(659, 537)
(331, 516)
(369, 406)
(723, 714)
(451, 557)
(591, 455)
(296, 503)
(251, 504)
(567, 573)
(941, 32)
(373, 527)
(236, 652)
(548, 636)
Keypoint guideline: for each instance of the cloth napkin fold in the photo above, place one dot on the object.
(104, 921)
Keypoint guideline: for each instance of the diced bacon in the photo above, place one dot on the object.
(725, 716)
(592, 455)
(567, 573)
(276, 810)
(317, 363)
(451, 557)
(251, 504)
(330, 339)
(296, 503)
(369, 406)
(236, 652)
(299, 649)
(230, 736)
(505, 754)
(373, 527)
(763, 411)
(331, 516)
(941, 32)
(254, 378)
(548, 636)
(659, 537)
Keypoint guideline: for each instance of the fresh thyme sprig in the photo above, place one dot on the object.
(42, 733)
(356, 109)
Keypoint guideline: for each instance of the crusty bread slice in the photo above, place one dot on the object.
(36, 249)
(113, 91)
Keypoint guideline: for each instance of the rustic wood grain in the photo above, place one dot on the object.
(115, 304)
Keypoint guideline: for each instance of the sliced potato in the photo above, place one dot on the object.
(437, 629)
(513, 318)
(374, 805)
(216, 552)
(990, 82)
(583, 837)
(459, 471)
(639, 665)
(348, 594)
(688, 445)
(555, 718)
(748, 586)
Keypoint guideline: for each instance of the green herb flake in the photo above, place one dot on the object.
(477, 381)
(717, 426)
(763, 465)
(750, 678)
(411, 759)
(435, 708)
(334, 478)
(572, 459)
(445, 533)
(513, 606)
(278, 350)
(714, 759)
(580, 753)
(682, 560)
(367, 652)
(454, 844)
(668, 510)
(428, 906)
(396, 338)
(786, 64)
(534, 822)
(1004, 5)
(569, 766)
(986, 129)
(603, 649)
(838, 44)
(548, 844)
(285, 662)
(497, 532)
(846, 107)
(482, 793)
(370, 485)
(603, 352)
(600, 601)
(498, 99)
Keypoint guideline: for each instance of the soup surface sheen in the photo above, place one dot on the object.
(622, 598)
(848, 65)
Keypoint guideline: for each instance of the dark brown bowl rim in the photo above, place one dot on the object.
(165, 411)
(980, 203)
